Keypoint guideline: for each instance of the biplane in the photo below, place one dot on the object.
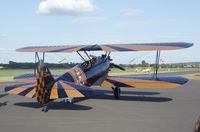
(77, 82)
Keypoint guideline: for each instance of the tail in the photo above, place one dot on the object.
(44, 81)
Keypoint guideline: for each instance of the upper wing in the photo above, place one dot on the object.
(109, 47)
(144, 82)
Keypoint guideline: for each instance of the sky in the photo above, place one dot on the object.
(62, 22)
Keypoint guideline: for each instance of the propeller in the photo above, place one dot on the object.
(112, 65)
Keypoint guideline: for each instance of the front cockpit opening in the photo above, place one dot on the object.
(89, 63)
(91, 60)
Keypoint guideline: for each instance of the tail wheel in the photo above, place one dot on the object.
(45, 109)
(116, 92)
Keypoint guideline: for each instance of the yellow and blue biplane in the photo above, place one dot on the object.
(77, 82)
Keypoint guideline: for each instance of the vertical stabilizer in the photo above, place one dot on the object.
(44, 78)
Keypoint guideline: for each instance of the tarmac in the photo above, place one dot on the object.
(138, 110)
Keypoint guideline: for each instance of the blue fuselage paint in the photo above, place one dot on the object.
(95, 73)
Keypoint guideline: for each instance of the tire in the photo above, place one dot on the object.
(116, 92)
(45, 108)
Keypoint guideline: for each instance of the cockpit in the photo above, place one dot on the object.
(88, 63)
(91, 60)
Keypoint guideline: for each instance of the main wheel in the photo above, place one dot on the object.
(116, 92)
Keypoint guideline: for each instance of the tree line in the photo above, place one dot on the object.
(31, 65)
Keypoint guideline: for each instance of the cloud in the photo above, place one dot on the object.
(131, 12)
(65, 7)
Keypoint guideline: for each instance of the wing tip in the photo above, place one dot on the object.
(187, 44)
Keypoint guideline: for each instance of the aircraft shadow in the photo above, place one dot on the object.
(127, 92)
(130, 96)
(55, 105)
(2, 95)
(100, 94)
(3, 103)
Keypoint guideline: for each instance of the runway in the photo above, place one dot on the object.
(138, 110)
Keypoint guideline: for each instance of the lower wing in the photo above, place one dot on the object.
(144, 82)
(28, 77)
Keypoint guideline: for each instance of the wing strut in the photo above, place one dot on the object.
(43, 56)
(156, 64)
(37, 59)
(88, 56)
(80, 56)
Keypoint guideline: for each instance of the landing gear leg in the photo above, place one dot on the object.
(116, 92)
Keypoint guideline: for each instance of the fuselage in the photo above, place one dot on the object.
(91, 72)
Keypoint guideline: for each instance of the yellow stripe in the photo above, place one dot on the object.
(71, 92)
(139, 83)
(152, 84)
(20, 89)
(31, 93)
(106, 48)
(54, 92)
(72, 73)
(107, 84)
(17, 90)
(146, 47)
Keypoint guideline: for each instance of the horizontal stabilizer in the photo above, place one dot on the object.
(23, 89)
(60, 89)
(63, 89)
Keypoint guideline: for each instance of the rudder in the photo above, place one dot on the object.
(44, 79)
